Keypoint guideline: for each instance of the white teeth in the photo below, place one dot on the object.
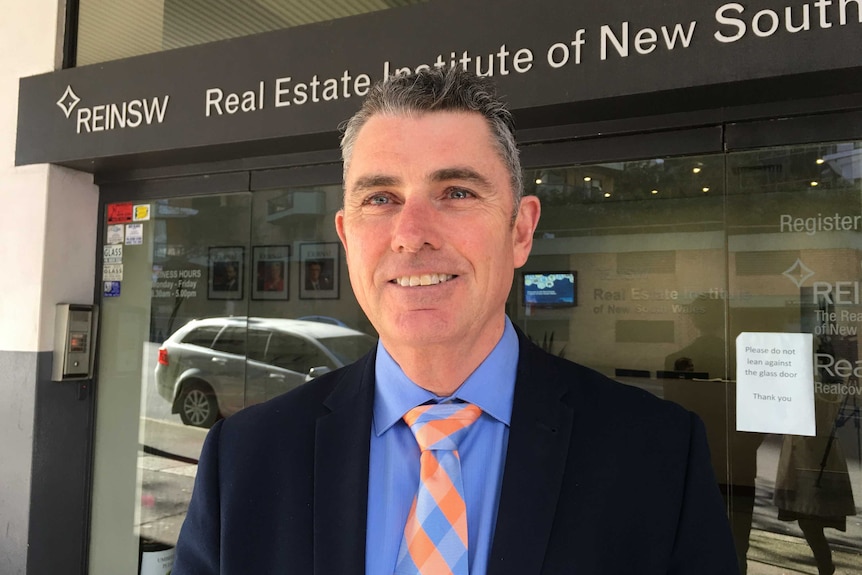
(423, 280)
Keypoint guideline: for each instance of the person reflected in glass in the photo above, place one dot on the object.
(812, 483)
(683, 364)
(713, 398)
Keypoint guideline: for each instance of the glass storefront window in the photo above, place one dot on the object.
(648, 271)
(114, 29)
(793, 233)
(642, 242)
(645, 270)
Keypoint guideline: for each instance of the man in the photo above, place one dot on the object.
(563, 471)
(314, 280)
(228, 281)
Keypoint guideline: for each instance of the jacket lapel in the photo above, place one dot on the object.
(535, 463)
(341, 473)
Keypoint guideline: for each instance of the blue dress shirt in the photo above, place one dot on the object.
(394, 461)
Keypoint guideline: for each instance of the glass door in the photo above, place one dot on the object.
(171, 361)
(648, 271)
(211, 302)
(793, 227)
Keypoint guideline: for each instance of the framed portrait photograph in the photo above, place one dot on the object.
(226, 272)
(270, 271)
(319, 270)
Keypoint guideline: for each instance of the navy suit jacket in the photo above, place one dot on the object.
(599, 478)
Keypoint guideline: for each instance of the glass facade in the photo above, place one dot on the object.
(646, 270)
(114, 29)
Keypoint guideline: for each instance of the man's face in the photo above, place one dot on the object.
(427, 229)
(314, 272)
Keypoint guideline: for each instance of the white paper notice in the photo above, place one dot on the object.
(115, 234)
(775, 383)
(134, 234)
(112, 254)
(112, 273)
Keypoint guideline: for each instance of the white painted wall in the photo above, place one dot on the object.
(48, 230)
(47, 214)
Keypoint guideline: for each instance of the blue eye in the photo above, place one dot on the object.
(459, 193)
(378, 200)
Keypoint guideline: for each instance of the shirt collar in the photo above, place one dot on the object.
(491, 386)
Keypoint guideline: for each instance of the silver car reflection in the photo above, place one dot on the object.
(212, 368)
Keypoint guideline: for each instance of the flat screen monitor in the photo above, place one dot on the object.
(551, 289)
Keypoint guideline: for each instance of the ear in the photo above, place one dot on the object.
(525, 225)
(339, 229)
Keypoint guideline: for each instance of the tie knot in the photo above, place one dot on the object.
(441, 425)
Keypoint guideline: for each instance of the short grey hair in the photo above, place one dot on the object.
(440, 90)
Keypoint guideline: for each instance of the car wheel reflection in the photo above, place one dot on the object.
(198, 406)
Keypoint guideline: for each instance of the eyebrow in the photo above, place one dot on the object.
(375, 181)
(460, 173)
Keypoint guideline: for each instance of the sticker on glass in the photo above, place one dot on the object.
(775, 383)
(112, 272)
(112, 254)
(116, 234)
(141, 213)
(134, 234)
(119, 213)
(111, 289)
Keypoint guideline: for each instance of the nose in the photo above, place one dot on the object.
(416, 227)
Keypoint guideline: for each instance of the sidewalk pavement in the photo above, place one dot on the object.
(777, 554)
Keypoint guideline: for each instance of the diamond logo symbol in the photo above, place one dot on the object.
(798, 273)
(69, 100)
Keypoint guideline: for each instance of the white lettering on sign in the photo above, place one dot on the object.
(820, 223)
(288, 92)
(496, 63)
(838, 293)
(559, 53)
(766, 23)
(843, 368)
(130, 114)
(645, 40)
(731, 22)
(175, 283)
(248, 101)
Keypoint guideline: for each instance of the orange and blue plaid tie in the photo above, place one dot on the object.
(435, 536)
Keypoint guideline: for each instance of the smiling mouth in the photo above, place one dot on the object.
(423, 280)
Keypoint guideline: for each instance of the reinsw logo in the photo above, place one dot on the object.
(104, 117)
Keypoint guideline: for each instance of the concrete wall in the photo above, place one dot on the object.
(48, 221)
